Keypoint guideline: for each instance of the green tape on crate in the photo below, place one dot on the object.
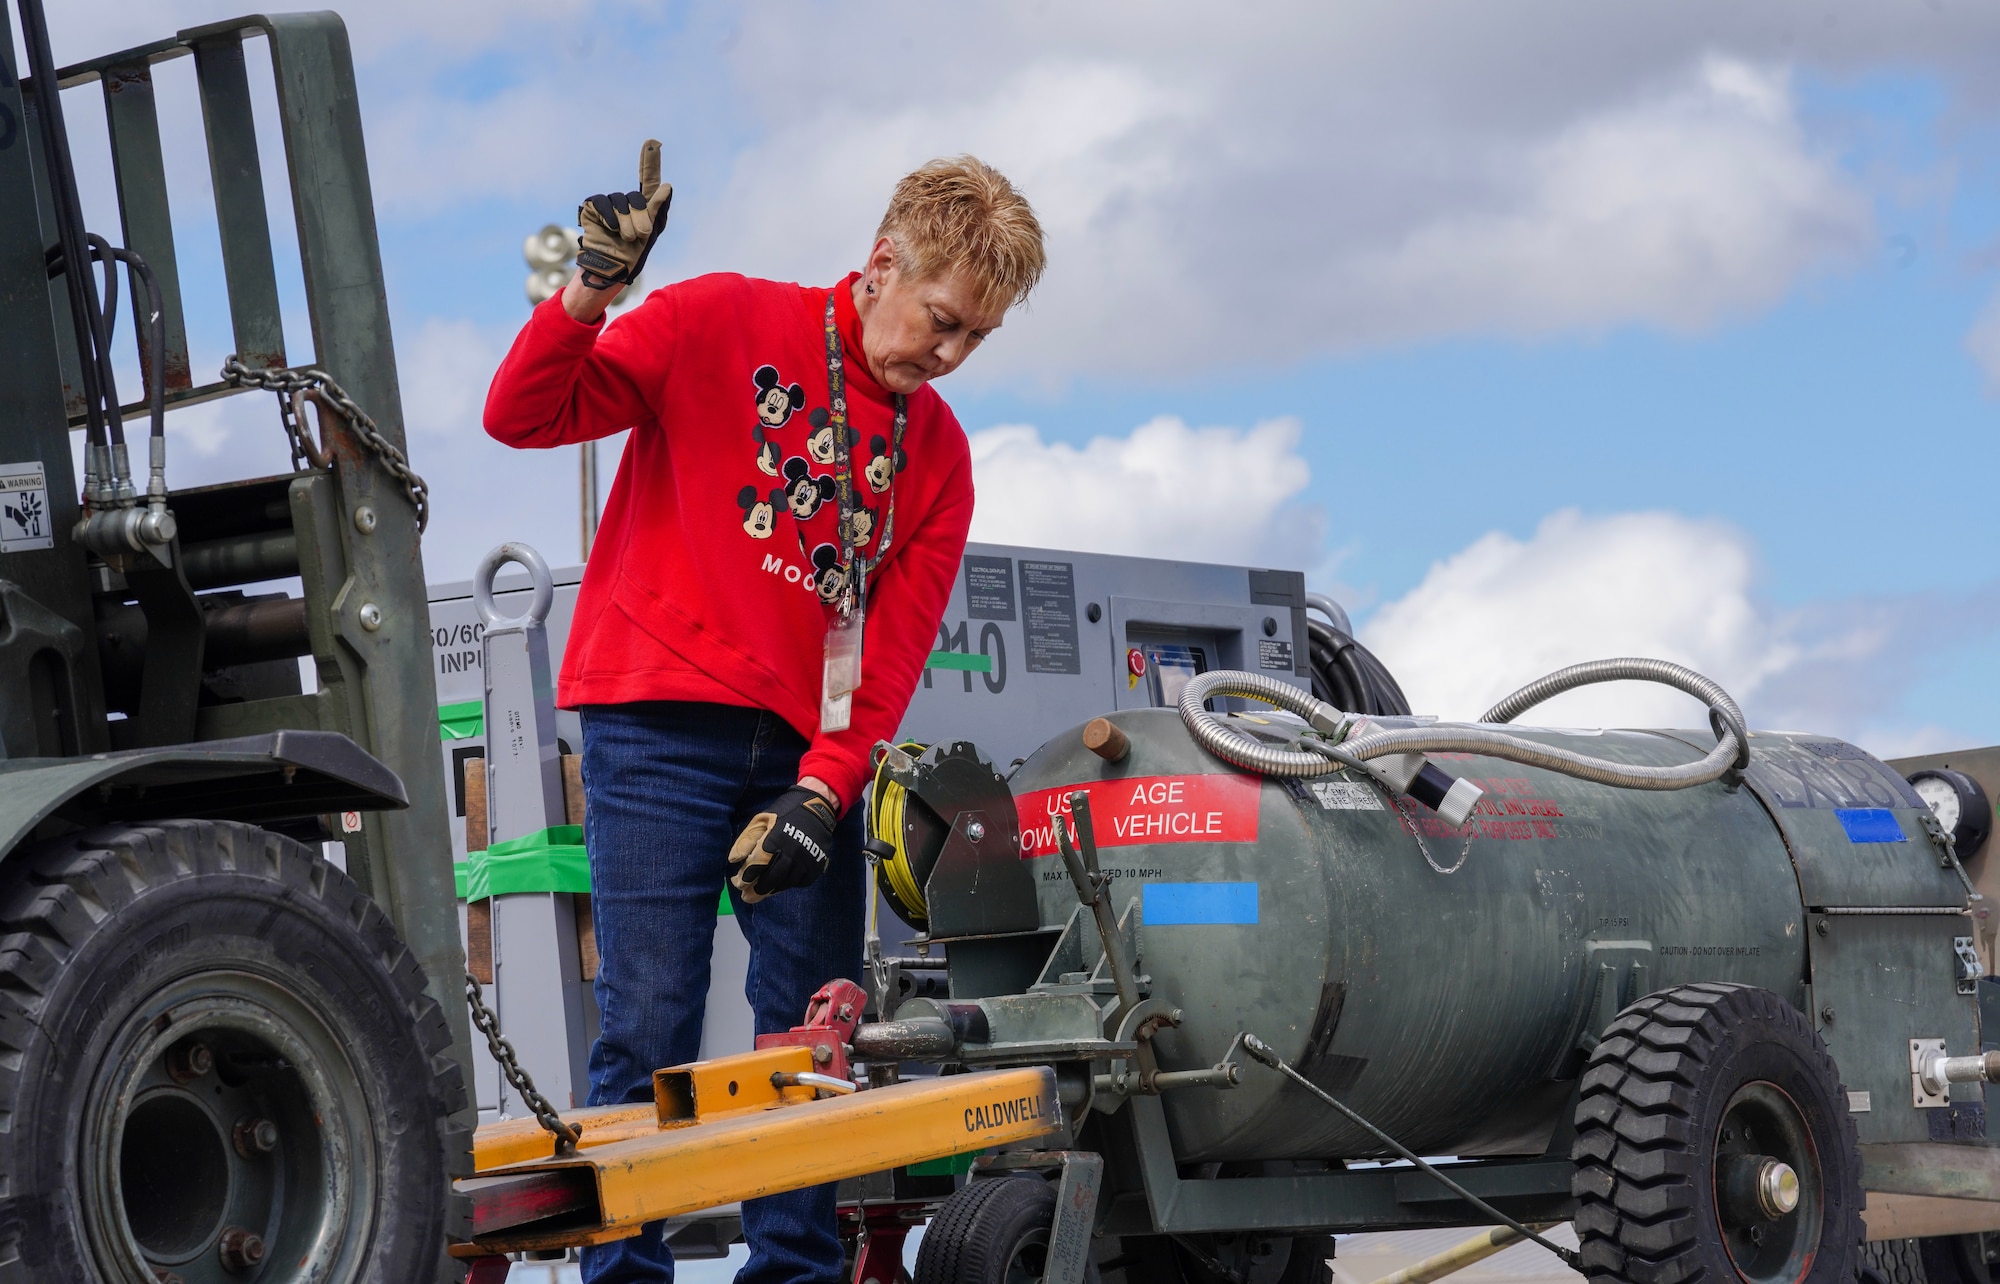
(550, 861)
(461, 721)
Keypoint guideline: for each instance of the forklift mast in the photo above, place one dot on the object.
(163, 647)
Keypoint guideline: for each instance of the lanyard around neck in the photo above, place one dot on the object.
(855, 572)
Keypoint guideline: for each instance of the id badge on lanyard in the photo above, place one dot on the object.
(841, 672)
(841, 676)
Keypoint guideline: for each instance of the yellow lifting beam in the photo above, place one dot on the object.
(726, 1130)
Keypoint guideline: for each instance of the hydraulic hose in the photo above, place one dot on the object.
(61, 174)
(1731, 750)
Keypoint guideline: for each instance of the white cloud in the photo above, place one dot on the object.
(429, 153)
(462, 28)
(445, 369)
(1505, 611)
(483, 493)
(1295, 180)
(1166, 490)
(1307, 181)
(1698, 204)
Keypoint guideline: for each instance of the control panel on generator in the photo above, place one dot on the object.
(1035, 641)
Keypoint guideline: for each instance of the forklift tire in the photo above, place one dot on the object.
(1689, 1097)
(994, 1230)
(218, 1062)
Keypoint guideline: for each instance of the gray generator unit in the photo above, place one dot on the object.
(1029, 637)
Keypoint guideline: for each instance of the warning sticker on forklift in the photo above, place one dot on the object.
(1219, 808)
(24, 508)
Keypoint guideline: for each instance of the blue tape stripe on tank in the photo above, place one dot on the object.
(1179, 904)
(1867, 825)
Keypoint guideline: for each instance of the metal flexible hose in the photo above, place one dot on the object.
(1231, 745)
(1624, 669)
(1731, 750)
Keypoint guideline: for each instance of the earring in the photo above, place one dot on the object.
(871, 287)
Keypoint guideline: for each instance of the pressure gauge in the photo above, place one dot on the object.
(1959, 804)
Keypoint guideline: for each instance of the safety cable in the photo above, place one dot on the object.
(1263, 1052)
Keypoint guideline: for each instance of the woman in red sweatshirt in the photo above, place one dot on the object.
(767, 580)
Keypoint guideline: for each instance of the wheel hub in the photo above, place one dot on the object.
(225, 1135)
(1767, 1185)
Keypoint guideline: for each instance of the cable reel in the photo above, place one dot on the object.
(891, 823)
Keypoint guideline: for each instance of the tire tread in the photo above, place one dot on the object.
(1638, 1215)
(56, 896)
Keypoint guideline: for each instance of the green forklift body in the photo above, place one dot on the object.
(203, 655)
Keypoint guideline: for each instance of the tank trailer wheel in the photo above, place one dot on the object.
(1713, 1143)
(993, 1230)
(1940, 1259)
(220, 1064)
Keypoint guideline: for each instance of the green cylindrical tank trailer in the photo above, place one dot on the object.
(1448, 984)
(1447, 1008)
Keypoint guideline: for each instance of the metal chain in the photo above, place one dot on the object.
(288, 381)
(1410, 824)
(566, 1135)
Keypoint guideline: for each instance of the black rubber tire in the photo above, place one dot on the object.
(1939, 1259)
(1652, 1106)
(1897, 1261)
(112, 936)
(984, 1227)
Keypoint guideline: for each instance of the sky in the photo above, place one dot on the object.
(1533, 332)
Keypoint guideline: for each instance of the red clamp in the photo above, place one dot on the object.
(829, 1027)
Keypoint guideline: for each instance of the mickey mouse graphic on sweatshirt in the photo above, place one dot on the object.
(776, 401)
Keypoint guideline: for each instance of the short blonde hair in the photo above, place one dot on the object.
(960, 214)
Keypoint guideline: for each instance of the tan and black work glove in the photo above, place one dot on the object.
(619, 229)
(786, 846)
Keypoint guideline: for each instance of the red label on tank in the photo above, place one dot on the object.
(1147, 809)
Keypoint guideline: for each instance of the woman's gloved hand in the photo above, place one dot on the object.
(619, 229)
(784, 847)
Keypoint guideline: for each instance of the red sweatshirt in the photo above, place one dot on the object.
(701, 583)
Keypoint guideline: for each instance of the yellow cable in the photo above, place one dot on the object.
(885, 815)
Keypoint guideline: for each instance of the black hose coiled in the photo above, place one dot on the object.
(1347, 675)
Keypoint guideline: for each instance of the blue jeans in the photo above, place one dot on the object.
(668, 786)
